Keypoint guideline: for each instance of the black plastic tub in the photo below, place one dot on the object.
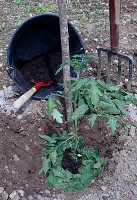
(34, 37)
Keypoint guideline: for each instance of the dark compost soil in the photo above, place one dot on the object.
(41, 68)
(70, 163)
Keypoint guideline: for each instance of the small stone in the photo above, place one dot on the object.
(21, 192)
(40, 197)
(1, 189)
(15, 157)
(60, 196)
(132, 131)
(135, 34)
(6, 168)
(5, 196)
(16, 197)
(26, 147)
(103, 188)
(87, 128)
(13, 194)
(47, 191)
(126, 80)
(19, 116)
(124, 38)
(30, 197)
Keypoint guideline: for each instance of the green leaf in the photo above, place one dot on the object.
(103, 161)
(92, 119)
(68, 175)
(57, 115)
(50, 105)
(109, 108)
(46, 164)
(94, 97)
(97, 165)
(112, 124)
(119, 105)
(88, 100)
(47, 138)
(52, 179)
(81, 101)
(125, 124)
(112, 87)
(57, 103)
(59, 171)
(61, 66)
(78, 84)
(53, 157)
(81, 110)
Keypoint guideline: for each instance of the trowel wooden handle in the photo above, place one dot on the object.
(24, 98)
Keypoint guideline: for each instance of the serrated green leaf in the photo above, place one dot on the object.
(81, 110)
(46, 164)
(119, 105)
(68, 175)
(94, 97)
(50, 105)
(53, 157)
(88, 101)
(81, 101)
(78, 84)
(59, 172)
(57, 115)
(109, 108)
(112, 87)
(48, 139)
(112, 124)
(92, 119)
(125, 124)
(103, 161)
(41, 171)
(97, 165)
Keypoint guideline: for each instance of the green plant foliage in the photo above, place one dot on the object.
(60, 178)
(41, 8)
(93, 98)
(52, 112)
(2, 26)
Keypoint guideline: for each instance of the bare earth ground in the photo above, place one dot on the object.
(19, 139)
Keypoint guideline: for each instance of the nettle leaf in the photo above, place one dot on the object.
(112, 124)
(57, 115)
(46, 164)
(92, 119)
